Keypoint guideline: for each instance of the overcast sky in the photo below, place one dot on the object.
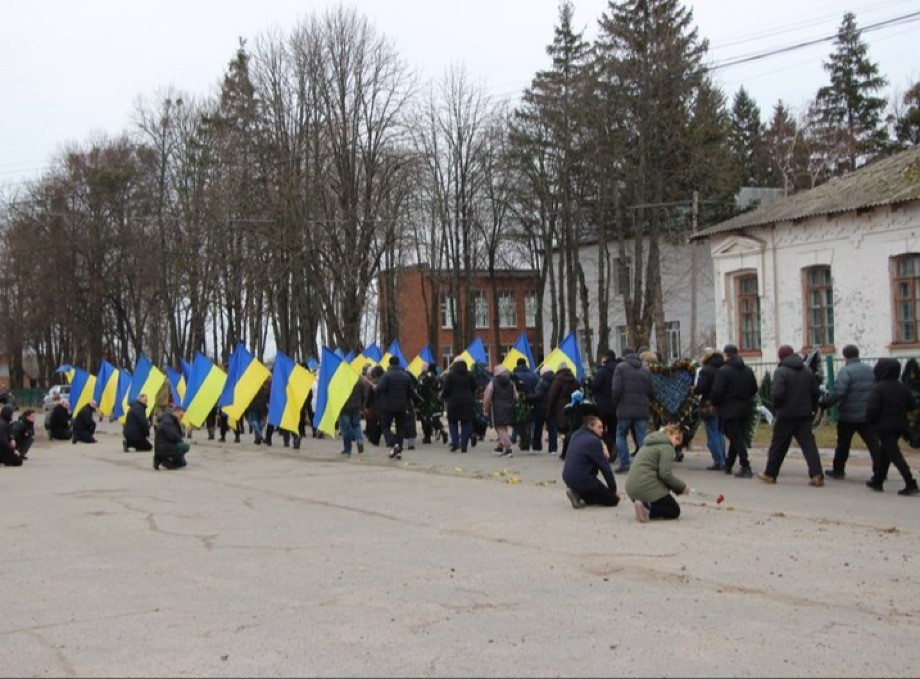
(73, 69)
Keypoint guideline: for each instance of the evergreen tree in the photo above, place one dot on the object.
(850, 127)
(786, 152)
(907, 125)
(746, 140)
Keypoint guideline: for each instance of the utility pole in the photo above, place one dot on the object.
(693, 272)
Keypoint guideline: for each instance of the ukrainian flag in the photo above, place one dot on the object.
(205, 383)
(393, 350)
(186, 370)
(67, 370)
(312, 364)
(121, 395)
(421, 362)
(291, 384)
(475, 353)
(82, 388)
(521, 349)
(567, 352)
(371, 355)
(177, 384)
(245, 376)
(106, 388)
(334, 385)
(148, 379)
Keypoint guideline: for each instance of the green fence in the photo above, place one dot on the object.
(29, 398)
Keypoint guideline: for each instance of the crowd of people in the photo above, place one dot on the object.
(520, 404)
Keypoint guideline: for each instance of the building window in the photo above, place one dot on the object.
(507, 310)
(530, 310)
(747, 303)
(819, 306)
(907, 298)
(621, 339)
(447, 356)
(481, 309)
(672, 331)
(448, 310)
(623, 275)
(505, 350)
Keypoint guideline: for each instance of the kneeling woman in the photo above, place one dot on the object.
(651, 482)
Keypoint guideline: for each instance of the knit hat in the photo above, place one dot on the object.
(730, 349)
(784, 351)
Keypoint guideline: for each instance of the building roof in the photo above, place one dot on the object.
(889, 181)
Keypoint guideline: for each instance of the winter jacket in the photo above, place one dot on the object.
(540, 392)
(84, 422)
(851, 391)
(59, 422)
(706, 379)
(733, 389)
(259, 402)
(23, 432)
(397, 389)
(168, 436)
(500, 396)
(890, 399)
(137, 426)
(631, 388)
(352, 405)
(584, 459)
(459, 393)
(795, 389)
(8, 454)
(525, 378)
(650, 476)
(602, 388)
(564, 384)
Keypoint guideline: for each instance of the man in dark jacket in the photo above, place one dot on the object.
(84, 424)
(631, 392)
(732, 392)
(350, 420)
(59, 421)
(9, 456)
(257, 412)
(601, 386)
(397, 391)
(525, 381)
(587, 456)
(711, 362)
(23, 433)
(795, 397)
(540, 417)
(851, 393)
(886, 410)
(169, 448)
(136, 430)
(459, 394)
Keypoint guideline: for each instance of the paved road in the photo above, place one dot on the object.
(260, 561)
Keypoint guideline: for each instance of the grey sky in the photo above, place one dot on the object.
(74, 69)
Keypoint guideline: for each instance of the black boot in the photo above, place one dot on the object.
(910, 489)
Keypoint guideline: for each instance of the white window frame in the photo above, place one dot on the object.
(481, 309)
(530, 310)
(448, 311)
(507, 309)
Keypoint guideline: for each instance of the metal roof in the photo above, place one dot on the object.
(891, 180)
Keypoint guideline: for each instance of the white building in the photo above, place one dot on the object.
(687, 291)
(835, 265)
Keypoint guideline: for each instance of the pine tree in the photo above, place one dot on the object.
(849, 116)
(746, 139)
(907, 125)
(786, 152)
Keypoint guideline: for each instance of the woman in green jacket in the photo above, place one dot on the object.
(651, 482)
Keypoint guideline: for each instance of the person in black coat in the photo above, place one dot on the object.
(732, 392)
(397, 389)
(601, 386)
(538, 401)
(795, 396)
(8, 453)
(711, 362)
(84, 424)
(257, 412)
(23, 432)
(586, 457)
(632, 392)
(886, 410)
(459, 395)
(169, 448)
(59, 421)
(564, 384)
(525, 380)
(136, 431)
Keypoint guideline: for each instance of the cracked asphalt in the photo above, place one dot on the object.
(257, 561)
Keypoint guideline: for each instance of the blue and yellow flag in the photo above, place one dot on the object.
(177, 384)
(333, 387)
(393, 350)
(421, 362)
(67, 370)
(186, 370)
(370, 356)
(475, 353)
(120, 409)
(82, 388)
(567, 352)
(148, 379)
(291, 384)
(106, 388)
(521, 349)
(312, 364)
(204, 386)
(245, 376)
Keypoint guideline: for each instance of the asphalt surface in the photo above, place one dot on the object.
(257, 561)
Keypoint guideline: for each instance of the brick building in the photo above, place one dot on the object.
(425, 311)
